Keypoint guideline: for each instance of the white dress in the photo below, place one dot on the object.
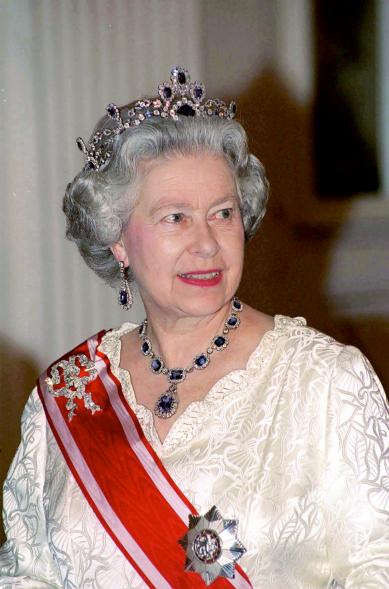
(296, 446)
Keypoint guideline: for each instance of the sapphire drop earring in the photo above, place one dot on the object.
(125, 295)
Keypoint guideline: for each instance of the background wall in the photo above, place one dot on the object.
(61, 63)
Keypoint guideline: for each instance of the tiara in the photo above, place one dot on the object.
(179, 97)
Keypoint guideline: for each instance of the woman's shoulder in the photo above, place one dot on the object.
(294, 332)
(117, 333)
(111, 342)
(309, 364)
(290, 333)
(292, 341)
(317, 352)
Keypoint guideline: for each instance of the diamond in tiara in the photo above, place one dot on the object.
(177, 97)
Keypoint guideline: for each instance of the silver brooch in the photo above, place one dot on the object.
(211, 545)
(77, 372)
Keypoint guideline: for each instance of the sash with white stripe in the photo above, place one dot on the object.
(123, 480)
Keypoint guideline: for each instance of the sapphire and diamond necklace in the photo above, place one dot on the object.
(167, 403)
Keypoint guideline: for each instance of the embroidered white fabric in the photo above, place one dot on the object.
(296, 447)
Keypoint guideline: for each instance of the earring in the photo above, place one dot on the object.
(125, 295)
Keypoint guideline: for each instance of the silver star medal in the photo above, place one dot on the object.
(211, 545)
(74, 384)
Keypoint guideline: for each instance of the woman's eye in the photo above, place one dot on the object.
(224, 214)
(173, 218)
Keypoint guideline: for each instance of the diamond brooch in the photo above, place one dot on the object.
(76, 373)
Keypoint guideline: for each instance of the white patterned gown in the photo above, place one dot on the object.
(296, 447)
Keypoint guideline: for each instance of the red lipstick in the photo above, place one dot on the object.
(202, 278)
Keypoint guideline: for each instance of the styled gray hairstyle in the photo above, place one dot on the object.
(98, 204)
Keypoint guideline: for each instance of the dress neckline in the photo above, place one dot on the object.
(190, 421)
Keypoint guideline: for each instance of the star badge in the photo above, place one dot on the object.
(75, 374)
(211, 545)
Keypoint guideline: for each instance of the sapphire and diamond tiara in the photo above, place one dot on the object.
(179, 97)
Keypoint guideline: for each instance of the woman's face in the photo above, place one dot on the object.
(185, 240)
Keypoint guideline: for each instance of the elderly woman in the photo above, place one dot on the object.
(212, 444)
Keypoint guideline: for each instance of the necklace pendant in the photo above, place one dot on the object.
(167, 403)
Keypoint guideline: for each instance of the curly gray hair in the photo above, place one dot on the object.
(98, 204)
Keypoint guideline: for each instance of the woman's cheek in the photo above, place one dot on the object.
(140, 242)
(150, 244)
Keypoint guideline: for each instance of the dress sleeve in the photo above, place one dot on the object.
(356, 497)
(25, 558)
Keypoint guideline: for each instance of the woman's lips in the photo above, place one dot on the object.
(206, 278)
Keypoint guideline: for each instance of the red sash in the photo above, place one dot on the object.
(123, 480)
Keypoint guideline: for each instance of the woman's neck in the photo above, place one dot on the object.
(178, 340)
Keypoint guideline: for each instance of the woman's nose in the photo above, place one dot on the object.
(204, 242)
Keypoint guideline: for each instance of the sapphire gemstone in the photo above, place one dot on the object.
(219, 341)
(186, 110)
(156, 365)
(167, 92)
(146, 347)
(176, 375)
(237, 305)
(148, 114)
(112, 110)
(181, 78)
(123, 297)
(166, 403)
(198, 92)
(201, 361)
(232, 321)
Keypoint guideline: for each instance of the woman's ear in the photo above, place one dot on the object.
(120, 253)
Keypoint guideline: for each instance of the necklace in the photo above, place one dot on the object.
(167, 403)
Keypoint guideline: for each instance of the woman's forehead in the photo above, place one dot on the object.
(187, 177)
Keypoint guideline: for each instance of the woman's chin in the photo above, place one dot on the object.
(199, 301)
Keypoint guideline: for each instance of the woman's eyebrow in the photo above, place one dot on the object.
(223, 199)
(163, 204)
(168, 204)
